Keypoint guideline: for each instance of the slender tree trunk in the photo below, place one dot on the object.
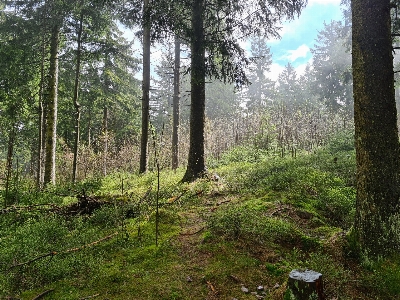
(377, 219)
(175, 106)
(10, 152)
(40, 148)
(42, 106)
(105, 145)
(145, 91)
(51, 127)
(76, 103)
(89, 126)
(196, 163)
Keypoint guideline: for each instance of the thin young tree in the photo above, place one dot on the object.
(145, 88)
(77, 106)
(52, 102)
(175, 105)
(377, 221)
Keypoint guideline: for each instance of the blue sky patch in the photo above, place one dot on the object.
(299, 35)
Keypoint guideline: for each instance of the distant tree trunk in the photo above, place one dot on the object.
(89, 126)
(76, 103)
(376, 133)
(41, 134)
(10, 152)
(105, 145)
(175, 113)
(196, 165)
(145, 90)
(51, 126)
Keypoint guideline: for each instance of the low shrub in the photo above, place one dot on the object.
(243, 223)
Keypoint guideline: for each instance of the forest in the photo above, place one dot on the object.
(145, 153)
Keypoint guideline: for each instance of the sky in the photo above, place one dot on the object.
(298, 36)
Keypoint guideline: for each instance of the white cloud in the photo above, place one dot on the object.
(292, 55)
(285, 28)
(315, 12)
(274, 72)
(277, 69)
(300, 69)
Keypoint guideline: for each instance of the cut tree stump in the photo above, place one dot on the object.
(304, 285)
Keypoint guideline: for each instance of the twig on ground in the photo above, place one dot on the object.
(43, 294)
(91, 244)
(211, 286)
(32, 260)
(224, 201)
(53, 253)
(176, 198)
(89, 297)
(235, 278)
(193, 233)
(27, 207)
(277, 210)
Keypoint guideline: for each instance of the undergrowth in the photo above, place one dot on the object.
(265, 216)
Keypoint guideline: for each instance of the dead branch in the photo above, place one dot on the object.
(53, 253)
(176, 198)
(279, 209)
(193, 233)
(43, 294)
(15, 208)
(212, 288)
(89, 297)
(91, 244)
(33, 260)
(235, 278)
(224, 201)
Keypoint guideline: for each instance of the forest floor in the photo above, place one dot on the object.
(237, 237)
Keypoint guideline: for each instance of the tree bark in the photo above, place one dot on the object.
(75, 100)
(105, 145)
(51, 126)
(196, 163)
(376, 132)
(10, 152)
(41, 132)
(175, 105)
(145, 90)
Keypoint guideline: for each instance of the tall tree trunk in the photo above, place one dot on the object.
(10, 152)
(89, 126)
(376, 134)
(105, 145)
(51, 126)
(145, 90)
(175, 105)
(76, 103)
(41, 134)
(196, 165)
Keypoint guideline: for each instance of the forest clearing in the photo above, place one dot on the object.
(160, 150)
